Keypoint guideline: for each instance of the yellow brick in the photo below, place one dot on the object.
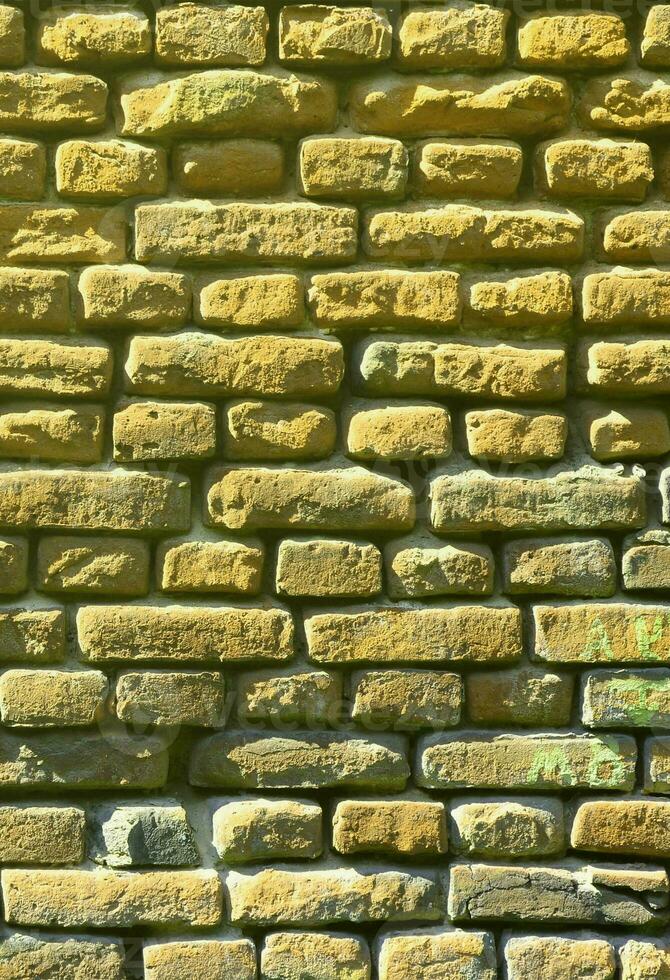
(594, 168)
(211, 566)
(469, 35)
(630, 433)
(544, 299)
(42, 835)
(164, 430)
(351, 169)
(397, 431)
(22, 169)
(32, 233)
(625, 103)
(109, 169)
(323, 35)
(271, 431)
(162, 698)
(50, 368)
(130, 296)
(573, 41)
(92, 566)
(59, 434)
(197, 34)
(618, 368)
(51, 102)
(13, 565)
(627, 296)
(34, 299)
(253, 302)
(516, 437)
(327, 567)
(401, 828)
(655, 46)
(319, 955)
(237, 167)
(51, 698)
(205, 959)
(467, 168)
(89, 38)
(12, 37)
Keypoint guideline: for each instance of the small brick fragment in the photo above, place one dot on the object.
(22, 168)
(542, 300)
(627, 433)
(422, 565)
(645, 563)
(32, 636)
(13, 565)
(655, 46)
(253, 302)
(34, 299)
(642, 960)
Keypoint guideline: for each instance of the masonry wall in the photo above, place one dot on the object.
(334, 367)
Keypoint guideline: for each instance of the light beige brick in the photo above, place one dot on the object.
(327, 568)
(51, 698)
(385, 299)
(644, 960)
(352, 169)
(655, 46)
(467, 168)
(111, 899)
(342, 37)
(89, 38)
(199, 34)
(254, 302)
(573, 40)
(68, 435)
(55, 368)
(23, 167)
(395, 431)
(92, 566)
(314, 956)
(13, 565)
(164, 430)
(463, 35)
(275, 431)
(236, 166)
(544, 299)
(161, 698)
(507, 828)
(206, 959)
(516, 437)
(109, 169)
(12, 37)
(266, 830)
(131, 296)
(34, 299)
(559, 566)
(211, 566)
(627, 433)
(423, 565)
(41, 835)
(402, 828)
(411, 954)
(51, 102)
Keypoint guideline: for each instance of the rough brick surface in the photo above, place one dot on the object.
(334, 490)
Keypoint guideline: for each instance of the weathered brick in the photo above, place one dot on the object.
(108, 899)
(393, 298)
(132, 835)
(473, 370)
(200, 364)
(469, 35)
(629, 433)
(645, 563)
(225, 103)
(351, 169)
(328, 568)
(403, 828)
(573, 41)
(627, 698)
(92, 566)
(551, 957)
(346, 499)
(543, 300)
(266, 430)
(183, 634)
(466, 105)
(164, 430)
(568, 168)
(22, 169)
(657, 765)
(111, 500)
(161, 698)
(635, 236)
(58, 760)
(632, 827)
(580, 895)
(130, 296)
(633, 297)
(584, 567)
(51, 698)
(599, 632)
(311, 760)
(198, 958)
(618, 368)
(643, 960)
(253, 302)
(55, 368)
(516, 437)
(655, 48)
(423, 565)
(211, 566)
(467, 168)
(51, 102)
(51, 233)
(235, 166)
(460, 232)
(22, 956)
(265, 830)
(333, 36)
(291, 697)
(12, 37)
(393, 431)
(66, 435)
(436, 951)
(315, 898)
(468, 633)
(34, 299)
(406, 700)
(314, 956)
(583, 499)
(13, 565)
(523, 696)
(628, 103)
(526, 762)
(511, 828)
(87, 38)
(201, 231)
(32, 636)
(107, 169)
(41, 835)
(199, 34)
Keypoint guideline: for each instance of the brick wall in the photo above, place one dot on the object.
(334, 359)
